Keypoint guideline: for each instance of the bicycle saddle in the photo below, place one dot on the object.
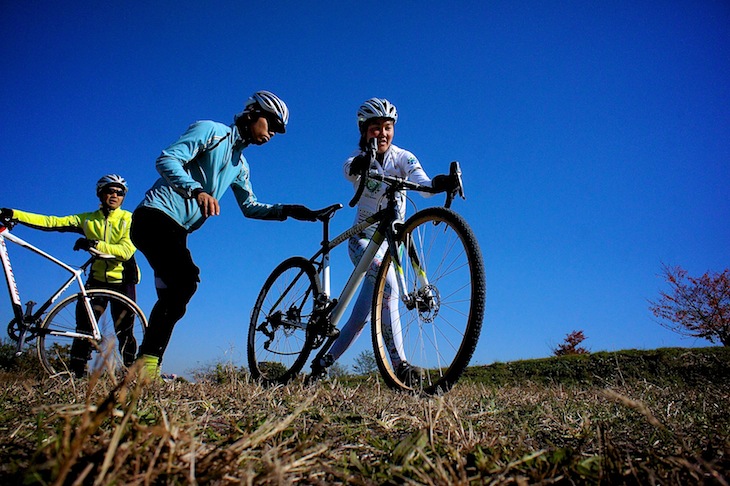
(328, 212)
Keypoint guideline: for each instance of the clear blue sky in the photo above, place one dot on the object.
(593, 136)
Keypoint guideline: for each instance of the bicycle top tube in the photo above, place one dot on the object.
(325, 215)
(76, 273)
(21, 242)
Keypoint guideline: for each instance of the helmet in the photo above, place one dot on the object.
(376, 108)
(270, 103)
(111, 180)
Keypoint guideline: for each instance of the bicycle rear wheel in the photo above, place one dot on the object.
(424, 341)
(278, 341)
(115, 312)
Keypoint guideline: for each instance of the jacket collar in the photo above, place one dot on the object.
(237, 138)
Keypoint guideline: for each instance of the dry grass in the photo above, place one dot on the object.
(99, 431)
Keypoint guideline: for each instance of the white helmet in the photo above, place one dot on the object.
(111, 180)
(270, 103)
(376, 108)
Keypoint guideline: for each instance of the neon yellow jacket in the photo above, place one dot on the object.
(112, 233)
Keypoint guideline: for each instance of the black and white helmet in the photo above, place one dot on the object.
(270, 103)
(111, 180)
(376, 108)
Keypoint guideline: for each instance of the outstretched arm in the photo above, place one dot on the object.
(70, 223)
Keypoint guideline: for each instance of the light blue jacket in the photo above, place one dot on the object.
(208, 156)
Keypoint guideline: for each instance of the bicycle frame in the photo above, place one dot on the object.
(427, 298)
(387, 220)
(28, 318)
(382, 233)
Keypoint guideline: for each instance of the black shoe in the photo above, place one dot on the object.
(318, 373)
(410, 375)
(319, 370)
(77, 367)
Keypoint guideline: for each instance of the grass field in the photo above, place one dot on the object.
(634, 417)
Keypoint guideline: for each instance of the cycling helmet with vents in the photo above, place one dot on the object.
(268, 102)
(111, 180)
(376, 108)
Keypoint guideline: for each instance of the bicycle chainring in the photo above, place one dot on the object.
(15, 328)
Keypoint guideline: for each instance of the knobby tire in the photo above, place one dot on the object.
(278, 341)
(439, 335)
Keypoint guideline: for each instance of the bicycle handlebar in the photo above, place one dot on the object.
(455, 174)
(7, 225)
(400, 183)
(371, 151)
(99, 255)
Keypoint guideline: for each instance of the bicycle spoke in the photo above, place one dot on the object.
(440, 326)
(120, 322)
(278, 342)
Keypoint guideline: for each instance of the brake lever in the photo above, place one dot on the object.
(8, 223)
(455, 173)
(372, 150)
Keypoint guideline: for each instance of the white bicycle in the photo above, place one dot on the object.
(110, 322)
(436, 262)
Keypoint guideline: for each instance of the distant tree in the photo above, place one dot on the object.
(272, 369)
(27, 363)
(696, 307)
(365, 363)
(337, 370)
(571, 345)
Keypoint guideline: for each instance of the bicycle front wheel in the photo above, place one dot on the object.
(424, 340)
(121, 324)
(278, 341)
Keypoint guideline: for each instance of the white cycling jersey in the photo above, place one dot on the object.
(397, 162)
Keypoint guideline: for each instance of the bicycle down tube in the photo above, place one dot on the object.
(428, 297)
(384, 233)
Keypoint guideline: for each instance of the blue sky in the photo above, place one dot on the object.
(593, 137)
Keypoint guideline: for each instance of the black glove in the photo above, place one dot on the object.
(297, 211)
(358, 164)
(84, 244)
(6, 215)
(443, 183)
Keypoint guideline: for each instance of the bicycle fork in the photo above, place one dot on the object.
(425, 296)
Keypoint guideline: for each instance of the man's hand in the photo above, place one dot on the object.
(85, 244)
(6, 215)
(297, 211)
(208, 204)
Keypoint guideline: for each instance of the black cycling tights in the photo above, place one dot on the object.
(124, 328)
(164, 243)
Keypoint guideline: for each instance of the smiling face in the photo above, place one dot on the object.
(383, 130)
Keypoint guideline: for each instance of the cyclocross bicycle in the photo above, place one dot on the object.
(434, 321)
(54, 328)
